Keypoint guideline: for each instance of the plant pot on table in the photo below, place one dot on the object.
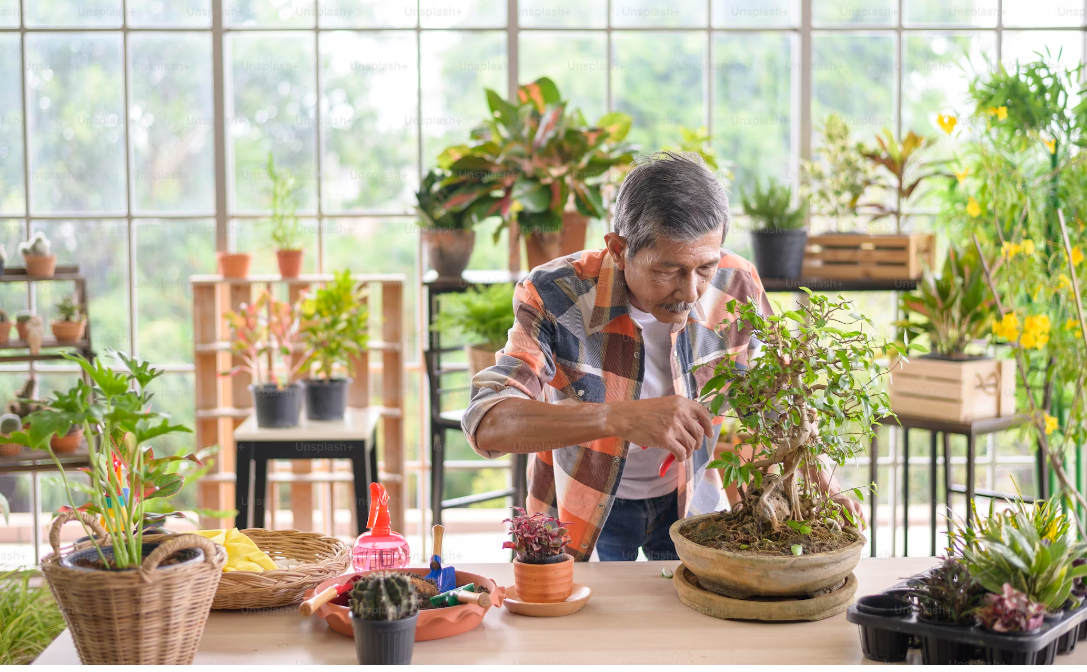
(384, 642)
(40, 266)
(233, 265)
(779, 253)
(326, 399)
(449, 250)
(69, 443)
(68, 332)
(290, 263)
(546, 581)
(277, 407)
(131, 617)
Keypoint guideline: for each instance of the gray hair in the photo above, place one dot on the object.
(669, 195)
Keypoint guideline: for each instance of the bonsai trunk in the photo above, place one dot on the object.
(779, 499)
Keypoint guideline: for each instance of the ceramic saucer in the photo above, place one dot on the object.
(578, 598)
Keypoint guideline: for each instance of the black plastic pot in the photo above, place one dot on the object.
(1044, 656)
(326, 399)
(884, 605)
(1083, 631)
(779, 253)
(275, 407)
(885, 646)
(938, 651)
(384, 642)
(1067, 641)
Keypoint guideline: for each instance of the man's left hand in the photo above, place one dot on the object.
(854, 507)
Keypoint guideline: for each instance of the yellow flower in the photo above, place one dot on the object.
(1050, 424)
(1028, 246)
(1072, 323)
(1001, 113)
(1077, 256)
(1051, 145)
(1009, 250)
(946, 122)
(1063, 282)
(961, 175)
(973, 208)
(1035, 332)
(1007, 327)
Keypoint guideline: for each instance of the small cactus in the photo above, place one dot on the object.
(9, 422)
(384, 596)
(23, 316)
(38, 246)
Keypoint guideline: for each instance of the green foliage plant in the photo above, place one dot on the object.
(29, 618)
(384, 596)
(286, 229)
(772, 209)
(900, 168)
(437, 187)
(261, 331)
(947, 594)
(334, 325)
(837, 178)
(482, 315)
(68, 310)
(115, 412)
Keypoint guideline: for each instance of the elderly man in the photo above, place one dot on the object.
(597, 380)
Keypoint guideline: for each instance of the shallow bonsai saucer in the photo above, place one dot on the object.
(579, 597)
(762, 609)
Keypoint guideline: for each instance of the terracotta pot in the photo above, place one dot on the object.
(741, 575)
(234, 265)
(41, 267)
(290, 263)
(22, 328)
(543, 246)
(5, 332)
(479, 357)
(9, 449)
(67, 444)
(449, 250)
(68, 332)
(544, 583)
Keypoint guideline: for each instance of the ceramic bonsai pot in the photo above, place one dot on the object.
(544, 583)
(290, 263)
(69, 443)
(779, 253)
(40, 266)
(233, 265)
(449, 250)
(276, 407)
(326, 399)
(741, 575)
(68, 332)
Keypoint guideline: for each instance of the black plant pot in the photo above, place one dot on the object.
(275, 407)
(938, 651)
(779, 253)
(384, 642)
(326, 399)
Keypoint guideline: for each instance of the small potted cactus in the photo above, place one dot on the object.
(71, 323)
(9, 423)
(542, 571)
(384, 612)
(38, 256)
(22, 323)
(5, 326)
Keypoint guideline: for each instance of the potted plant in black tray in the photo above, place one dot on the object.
(948, 595)
(257, 331)
(335, 331)
(781, 234)
(384, 612)
(1011, 612)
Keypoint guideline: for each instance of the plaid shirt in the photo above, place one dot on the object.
(573, 341)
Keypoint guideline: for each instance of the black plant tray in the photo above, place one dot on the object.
(886, 638)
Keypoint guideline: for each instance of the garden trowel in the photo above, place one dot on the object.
(444, 577)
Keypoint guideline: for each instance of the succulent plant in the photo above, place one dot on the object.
(948, 594)
(23, 316)
(37, 246)
(537, 538)
(1010, 611)
(68, 310)
(9, 422)
(384, 596)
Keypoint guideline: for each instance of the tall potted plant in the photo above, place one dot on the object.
(286, 230)
(482, 315)
(261, 333)
(781, 235)
(539, 164)
(808, 402)
(447, 235)
(543, 571)
(334, 330)
(126, 599)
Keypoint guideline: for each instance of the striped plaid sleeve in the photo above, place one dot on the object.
(522, 368)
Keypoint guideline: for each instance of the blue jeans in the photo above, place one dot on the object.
(639, 523)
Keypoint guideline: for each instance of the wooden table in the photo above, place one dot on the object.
(633, 617)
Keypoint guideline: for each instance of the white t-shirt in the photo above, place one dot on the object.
(641, 473)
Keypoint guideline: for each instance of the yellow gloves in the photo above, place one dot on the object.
(242, 554)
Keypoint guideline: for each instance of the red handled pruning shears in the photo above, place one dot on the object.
(667, 463)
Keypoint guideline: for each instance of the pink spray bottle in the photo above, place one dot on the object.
(380, 548)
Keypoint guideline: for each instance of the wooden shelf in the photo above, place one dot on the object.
(62, 274)
(304, 279)
(224, 346)
(46, 343)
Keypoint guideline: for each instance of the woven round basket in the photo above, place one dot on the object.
(325, 557)
(151, 615)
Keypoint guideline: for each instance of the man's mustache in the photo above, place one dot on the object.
(682, 307)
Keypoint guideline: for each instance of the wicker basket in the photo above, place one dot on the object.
(144, 616)
(326, 557)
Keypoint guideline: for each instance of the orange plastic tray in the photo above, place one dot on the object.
(433, 623)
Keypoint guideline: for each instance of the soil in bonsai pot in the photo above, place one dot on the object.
(739, 532)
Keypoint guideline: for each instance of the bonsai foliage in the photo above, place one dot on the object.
(37, 246)
(483, 315)
(115, 413)
(383, 596)
(772, 210)
(948, 594)
(68, 309)
(1010, 611)
(536, 538)
(817, 373)
(955, 308)
(260, 330)
(334, 324)
(900, 168)
(840, 174)
(286, 231)
(529, 161)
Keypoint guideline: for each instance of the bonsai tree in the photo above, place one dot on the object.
(772, 209)
(537, 539)
(260, 331)
(947, 594)
(482, 315)
(286, 230)
(817, 372)
(956, 308)
(334, 324)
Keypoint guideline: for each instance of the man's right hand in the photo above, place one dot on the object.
(673, 423)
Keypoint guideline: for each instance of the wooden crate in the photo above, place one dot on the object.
(955, 391)
(853, 256)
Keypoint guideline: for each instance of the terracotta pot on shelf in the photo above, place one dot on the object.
(5, 331)
(39, 266)
(9, 449)
(68, 332)
(233, 265)
(449, 250)
(69, 443)
(543, 246)
(23, 329)
(546, 583)
(290, 263)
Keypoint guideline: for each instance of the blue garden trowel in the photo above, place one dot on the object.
(443, 577)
